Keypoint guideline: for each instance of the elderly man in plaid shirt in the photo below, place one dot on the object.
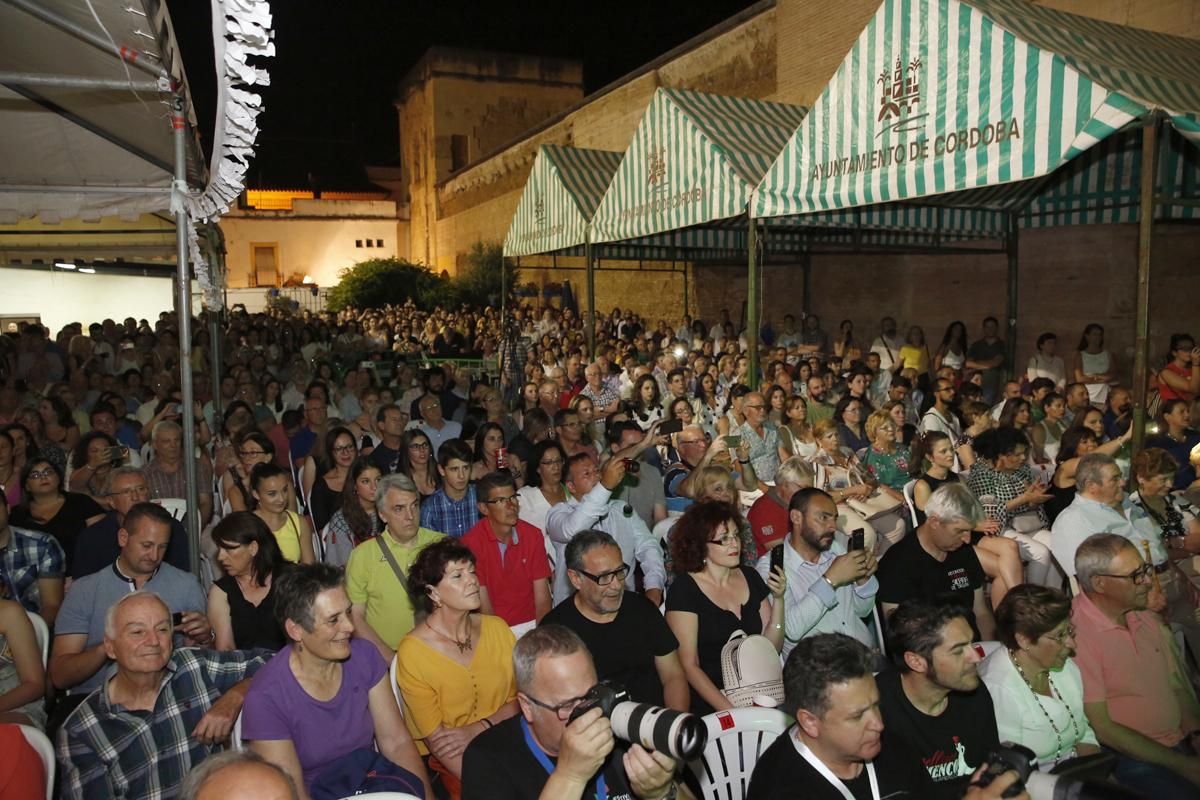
(160, 714)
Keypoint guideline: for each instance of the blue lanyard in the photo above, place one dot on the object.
(544, 760)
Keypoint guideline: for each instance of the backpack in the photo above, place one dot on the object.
(363, 771)
(750, 668)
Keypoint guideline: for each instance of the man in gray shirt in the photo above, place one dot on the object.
(78, 661)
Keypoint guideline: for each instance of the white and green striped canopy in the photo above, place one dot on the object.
(560, 197)
(941, 96)
(694, 159)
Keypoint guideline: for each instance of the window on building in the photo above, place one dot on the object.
(459, 152)
(379, 242)
(370, 243)
(265, 257)
(358, 242)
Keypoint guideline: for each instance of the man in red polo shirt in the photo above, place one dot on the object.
(768, 516)
(510, 555)
(1135, 693)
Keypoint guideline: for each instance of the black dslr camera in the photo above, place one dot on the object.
(680, 735)
(1045, 785)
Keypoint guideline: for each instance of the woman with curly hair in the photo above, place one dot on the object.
(715, 595)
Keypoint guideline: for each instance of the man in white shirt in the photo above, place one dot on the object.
(828, 589)
(1097, 488)
(887, 344)
(940, 416)
(589, 507)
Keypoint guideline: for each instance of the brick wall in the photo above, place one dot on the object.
(1067, 278)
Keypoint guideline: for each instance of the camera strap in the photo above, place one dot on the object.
(548, 765)
(827, 773)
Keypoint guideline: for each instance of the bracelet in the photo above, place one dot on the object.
(743, 461)
(487, 723)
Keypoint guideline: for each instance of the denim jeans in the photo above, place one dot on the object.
(1154, 781)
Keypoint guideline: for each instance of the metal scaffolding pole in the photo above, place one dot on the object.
(591, 298)
(183, 308)
(1010, 354)
(1141, 348)
(752, 298)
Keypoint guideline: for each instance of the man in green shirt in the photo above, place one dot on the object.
(377, 584)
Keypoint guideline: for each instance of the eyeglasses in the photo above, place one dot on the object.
(1139, 575)
(554, 462)
(252, 453)
(41, 473)
(1066, 633)
(606, 578)
(725, 539)
(691, 441)
(344, 448)
(511, 500)
(419, 446)
(562, 710)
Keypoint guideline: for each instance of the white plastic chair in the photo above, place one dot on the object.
(912, 503)
(41, 632)
(395, 685)
(235, 736)
(736, 739)
(175, 506)
(45, 750)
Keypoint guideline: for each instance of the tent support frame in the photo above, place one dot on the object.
(183, 309)
(1011, 249)
(752, 297)
(591, 298)
(1141, 348)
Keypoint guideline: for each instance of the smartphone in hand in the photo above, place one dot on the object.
(857, 540)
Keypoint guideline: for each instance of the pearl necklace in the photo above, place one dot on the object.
(1058, 750)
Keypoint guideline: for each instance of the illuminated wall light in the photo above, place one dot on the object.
(87, 270)
(64, 265)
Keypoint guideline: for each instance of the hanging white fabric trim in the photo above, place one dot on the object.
(241, 30)
(827, 773)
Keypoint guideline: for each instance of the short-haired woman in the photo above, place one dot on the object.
(326, 693)
(241, 604)
(1036, 688)
(715, 595)
(455, 669)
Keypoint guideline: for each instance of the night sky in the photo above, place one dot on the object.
(337, 66)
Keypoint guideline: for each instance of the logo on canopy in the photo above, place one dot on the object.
(656, 169)
(901, 97)
(539, 211)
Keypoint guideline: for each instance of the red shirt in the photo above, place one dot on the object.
(1166, 392)
(509, 578)
(770, 522)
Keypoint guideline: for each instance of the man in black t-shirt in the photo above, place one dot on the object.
(934, 701)
(538, 753)
(936, 564)
(836, 744)
(627, 636)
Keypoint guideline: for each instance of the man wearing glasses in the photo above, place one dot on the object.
(696, 453)
(589, 506)
(940, 416)
(632, 643)
(97, 547)
(1135, 693)
(538, 753)
(435, 425)
(762, 437)
(510, 556)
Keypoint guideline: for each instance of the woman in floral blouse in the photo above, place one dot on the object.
(886, 460)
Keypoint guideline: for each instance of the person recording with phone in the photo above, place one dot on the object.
(589, 506)
(831, 586)
(695, 452)
(544, 753)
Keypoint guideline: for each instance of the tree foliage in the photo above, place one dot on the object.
(392, 281)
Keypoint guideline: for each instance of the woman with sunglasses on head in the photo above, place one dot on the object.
(544, 487)
(325, 494)
(714, 595)
(49, 508)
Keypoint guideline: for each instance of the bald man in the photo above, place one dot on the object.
(238, 775)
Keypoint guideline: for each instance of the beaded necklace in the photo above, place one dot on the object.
(1058, 750)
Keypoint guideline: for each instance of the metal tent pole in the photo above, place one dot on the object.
(216, 260)
(591, 301)
(1011, 336)
(1141, 349)
(183, 303)
(806, 282)
(752, 292)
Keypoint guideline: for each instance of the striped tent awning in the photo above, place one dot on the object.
(560, 196)
(694, 159)
(943, 96)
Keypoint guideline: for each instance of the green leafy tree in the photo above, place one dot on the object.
(479, 281)
(388, 281)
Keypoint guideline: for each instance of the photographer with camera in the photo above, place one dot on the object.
(543, 752)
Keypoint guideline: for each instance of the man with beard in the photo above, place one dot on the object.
(828, 589)
(934, 701)
(626, 634)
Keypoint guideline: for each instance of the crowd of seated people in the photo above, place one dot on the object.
(504, 523)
